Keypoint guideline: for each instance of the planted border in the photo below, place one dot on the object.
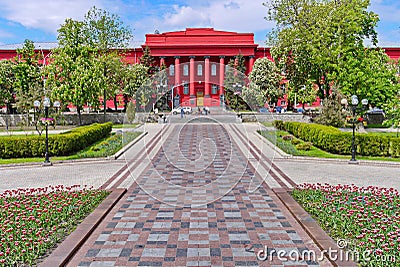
(334, 141)
(59, 145)
(365, 220)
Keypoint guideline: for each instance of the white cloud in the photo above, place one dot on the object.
(43, 14)
(229, 15)
(238, 15)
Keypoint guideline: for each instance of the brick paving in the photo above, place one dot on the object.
(196, 209)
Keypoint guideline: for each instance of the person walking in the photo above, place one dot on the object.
(182, 113)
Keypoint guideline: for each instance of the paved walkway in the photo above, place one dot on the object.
(193, 206)
(196, 198)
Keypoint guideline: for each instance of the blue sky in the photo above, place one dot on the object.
(38, 20)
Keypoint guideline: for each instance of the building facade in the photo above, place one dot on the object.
(195, 60)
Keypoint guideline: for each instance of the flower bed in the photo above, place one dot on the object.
(367, 218)
(33, 220)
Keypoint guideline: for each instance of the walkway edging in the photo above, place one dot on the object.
(128, 146)
(67, 249)
(311, 227)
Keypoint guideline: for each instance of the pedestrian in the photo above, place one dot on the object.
(182, 113)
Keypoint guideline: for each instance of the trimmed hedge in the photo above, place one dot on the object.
(332, 140)
(59, 145)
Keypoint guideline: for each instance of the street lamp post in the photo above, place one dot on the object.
(354, 104)
(36, 105)
(46, 104)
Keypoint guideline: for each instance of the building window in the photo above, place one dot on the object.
(186, 70)
(186, 89)
(172, 70)
(214, 69)
(214, 89)
(199, 70)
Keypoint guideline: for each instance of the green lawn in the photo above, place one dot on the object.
(275, 136)
(103, 148)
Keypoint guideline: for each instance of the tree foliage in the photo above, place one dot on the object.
(105, 31)
(148, 61)
(234, 83)
(135, 76)
(7, 81)
(321, 42)
(29, 83)
(331, 113)
(86, 65)
(265, 78)
(74, 72)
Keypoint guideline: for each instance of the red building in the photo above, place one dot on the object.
(195, 58)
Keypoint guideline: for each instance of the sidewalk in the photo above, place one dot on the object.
(196, 209)
(191, 201)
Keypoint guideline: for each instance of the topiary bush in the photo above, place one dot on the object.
(332, 140)
(59, 145)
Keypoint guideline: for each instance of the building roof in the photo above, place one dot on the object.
(52, 45)
(38, 45)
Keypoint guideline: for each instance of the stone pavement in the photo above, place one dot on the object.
(196, 198)
(192, 206)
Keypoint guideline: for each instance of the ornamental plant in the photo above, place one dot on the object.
(368, 218)
(33, 220)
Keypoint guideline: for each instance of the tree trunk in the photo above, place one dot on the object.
(78, 110)
(115, 103)
(125, 102)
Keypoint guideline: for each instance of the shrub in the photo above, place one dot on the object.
(61, 144)
(332, 140)
(295, 141)
(287, 137)
(279, 125)
(304, 146)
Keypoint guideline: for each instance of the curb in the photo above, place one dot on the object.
(83, 160)
(311, 227)
(128, 146)
(67, 249)
(274, 147)
(332, 160)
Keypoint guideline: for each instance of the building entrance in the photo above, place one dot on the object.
(200, 98)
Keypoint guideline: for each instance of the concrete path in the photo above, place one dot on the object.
(196, 197)
(195, 204)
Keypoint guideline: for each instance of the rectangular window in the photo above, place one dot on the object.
(186, 89)
(186, 70)
(199, 70)
(214, 89)
(171, 70)
(214, 70)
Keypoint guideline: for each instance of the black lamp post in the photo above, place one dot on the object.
(354, 104)
(46, 104)
(36, 105)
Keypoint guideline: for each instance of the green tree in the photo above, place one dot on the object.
(29, 84)
(393, 114)
(368, 73)
(135, 77)
(74, 73)
(105, 33)
(266, 77)
(331, 113)
(314, 40)
(148, 60)
(7, 81)
(234, 83)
